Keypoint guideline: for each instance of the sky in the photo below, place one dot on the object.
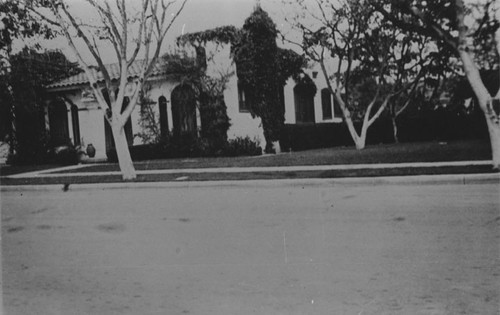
(197, 15)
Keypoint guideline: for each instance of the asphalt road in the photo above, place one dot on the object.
(272, 248)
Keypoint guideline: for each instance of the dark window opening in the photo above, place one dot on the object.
(162, 103)
(58, 123)
(304, 103)
(337, 111)
(326, 103)
(76, 125)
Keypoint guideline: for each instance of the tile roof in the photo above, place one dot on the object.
(114, 73)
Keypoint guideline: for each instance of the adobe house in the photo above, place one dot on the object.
(73, 113)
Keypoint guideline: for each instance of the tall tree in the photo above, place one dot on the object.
(472, 32)
(16, 22)
(129, 34)
(366, 63)
(256, 54)
(261, 66)
(29, 73)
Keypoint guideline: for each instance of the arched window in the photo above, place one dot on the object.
(326, 103)
(304, 102)
(184, 111)
(162, 103)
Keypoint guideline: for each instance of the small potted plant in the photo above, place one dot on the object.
(90, 150)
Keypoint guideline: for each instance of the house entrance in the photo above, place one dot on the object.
(304, 102)
(184, 112)
(58, 123)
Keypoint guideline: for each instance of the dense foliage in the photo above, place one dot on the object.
(30, 72)
(262, 67)
(209, 94)
(17, 22)
(196, 148)
(262, 70)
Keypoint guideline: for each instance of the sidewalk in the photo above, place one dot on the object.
(398, 172)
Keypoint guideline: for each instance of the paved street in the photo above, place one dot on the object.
(261, 248)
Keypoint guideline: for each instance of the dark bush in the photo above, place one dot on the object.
(440, 125)
(191, 147)
(32, 145)
(65, 155)
(242, 146)
(321, 135)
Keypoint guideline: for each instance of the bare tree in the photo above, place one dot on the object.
(471, 32)
(351, 43)
(130, 34)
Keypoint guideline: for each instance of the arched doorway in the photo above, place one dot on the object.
(184, 112)
(162, 104)
(304, 102)
(58, 123)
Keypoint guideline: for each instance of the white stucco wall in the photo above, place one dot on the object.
(242, 123)
(91, 121)
(320, 83)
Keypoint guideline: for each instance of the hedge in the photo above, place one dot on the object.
(438, 125)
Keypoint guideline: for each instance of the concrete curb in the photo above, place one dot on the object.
(53, 172)
(454, 179)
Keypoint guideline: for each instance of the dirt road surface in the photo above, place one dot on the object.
(253, 249)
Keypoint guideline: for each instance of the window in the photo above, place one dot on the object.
(326, 103)
(58, 122)
(76, 124)
(162, 103)
(304, 103)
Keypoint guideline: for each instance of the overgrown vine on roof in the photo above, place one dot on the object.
(262, 67)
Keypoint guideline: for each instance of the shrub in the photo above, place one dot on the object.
(190, 147)
(65, 155)
(242, 146)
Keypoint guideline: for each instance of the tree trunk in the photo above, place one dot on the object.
(122, 152)
(483, 97)
(494, 131)
(361, 139)
(395, 129)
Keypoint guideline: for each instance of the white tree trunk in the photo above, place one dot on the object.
(122, 152)
(359, 140)
(361, 143)
(494, 131)
(484, 98)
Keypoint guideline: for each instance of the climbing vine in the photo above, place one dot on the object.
(261, 66)
(209, 93)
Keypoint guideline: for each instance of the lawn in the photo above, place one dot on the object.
(384, 153)
(393, 153)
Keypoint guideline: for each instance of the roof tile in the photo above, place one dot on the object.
(114, 73)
